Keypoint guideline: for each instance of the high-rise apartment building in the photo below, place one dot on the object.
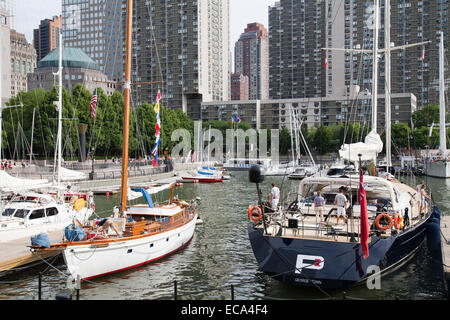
(46, 37)
(413, 22)
(295, 41)
(239, 87)
(23, 61)
(10, 7)
(252, 59)
(5, 70)
(184, 46)
(297, 34)
(95, 26)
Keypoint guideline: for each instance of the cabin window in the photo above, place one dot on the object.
(130, 250)
(37, 214)
(21, 213)
(151, 245)
(8, 212)
(52, 212)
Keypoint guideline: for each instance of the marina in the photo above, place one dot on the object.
(220, 255)
(127, 210)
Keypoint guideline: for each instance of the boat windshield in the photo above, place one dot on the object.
(8, 212)
(21, 213)
(335, 172)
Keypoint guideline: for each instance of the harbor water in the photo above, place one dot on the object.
(220, 256)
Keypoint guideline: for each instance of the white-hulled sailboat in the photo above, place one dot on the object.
(146, 233)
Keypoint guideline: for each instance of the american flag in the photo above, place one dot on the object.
(93, 104)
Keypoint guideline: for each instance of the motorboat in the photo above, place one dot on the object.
(28, 214)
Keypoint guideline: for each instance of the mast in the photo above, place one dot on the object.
(60, 69)
(32, 136)
(387, 91)
(443, 131)
(375, 66)
(126, 110)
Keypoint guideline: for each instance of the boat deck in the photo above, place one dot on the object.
(16, 254)
(445, 229)
(310, 227)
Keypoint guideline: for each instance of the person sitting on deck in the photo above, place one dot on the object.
(341, 202)
(104, 225)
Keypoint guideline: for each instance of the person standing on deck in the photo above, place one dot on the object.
(319, 206)
(274, 197)
(422, 189)
(341, 202)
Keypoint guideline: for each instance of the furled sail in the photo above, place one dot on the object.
(369, 149)
(10, 183)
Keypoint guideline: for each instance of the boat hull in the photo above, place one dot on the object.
(90, 262)
(331, 264)
(204, 179)
(437, 169)
(22, 230)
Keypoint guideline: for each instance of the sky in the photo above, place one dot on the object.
(29, 13)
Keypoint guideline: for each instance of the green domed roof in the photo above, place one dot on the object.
(72, 58)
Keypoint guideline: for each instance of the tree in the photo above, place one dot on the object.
(322, 140)
(285, 141)
(426, 116)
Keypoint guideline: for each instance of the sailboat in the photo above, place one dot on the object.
(145, 232)
(36, 206)
(387, 222)
(440, 167)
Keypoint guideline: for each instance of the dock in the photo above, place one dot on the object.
(16, 254)
(445, 234)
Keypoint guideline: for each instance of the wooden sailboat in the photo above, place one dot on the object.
(144, 233)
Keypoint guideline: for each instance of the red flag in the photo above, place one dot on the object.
(326, 62)
(423, 55)
(364, 218)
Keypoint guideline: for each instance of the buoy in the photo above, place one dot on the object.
(107, 195)
(199, 222)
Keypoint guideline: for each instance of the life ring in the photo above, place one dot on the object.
(79, 204)
(397, 221)
(384, 227)
(254, 213)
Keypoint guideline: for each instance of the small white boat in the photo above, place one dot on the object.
(30, 214)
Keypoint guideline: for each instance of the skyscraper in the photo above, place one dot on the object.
(10, 6)
(297, 34)
(46, 37)
(252, 59)
(184, 46)
(95, 26)
(299, 68)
